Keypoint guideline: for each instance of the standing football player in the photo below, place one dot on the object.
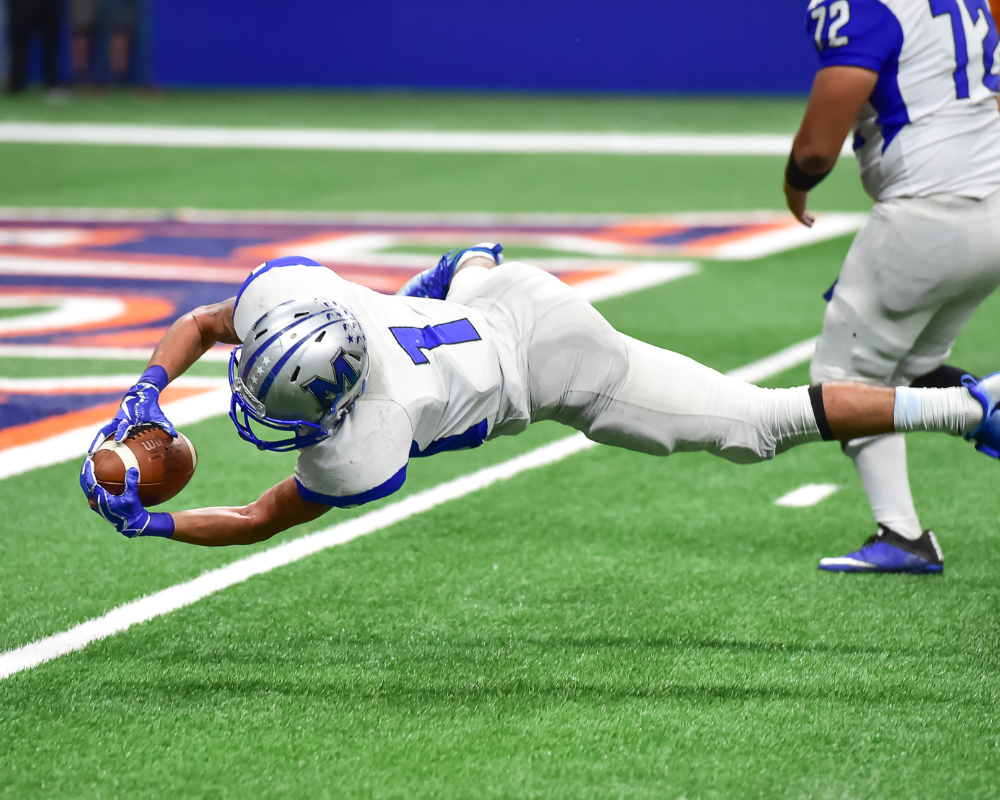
(917, 80)
(359, 383)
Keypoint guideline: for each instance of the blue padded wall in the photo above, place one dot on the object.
(535, 45)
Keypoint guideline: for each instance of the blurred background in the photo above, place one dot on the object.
(521, 45)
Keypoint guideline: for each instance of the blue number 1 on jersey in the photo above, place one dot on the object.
(416, 340)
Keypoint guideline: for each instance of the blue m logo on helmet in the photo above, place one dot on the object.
(326, 392)
(299, 371)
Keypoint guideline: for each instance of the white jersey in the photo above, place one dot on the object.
(513, 344)
(436, 382)
(931, 125)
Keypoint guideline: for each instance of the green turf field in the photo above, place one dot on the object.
(608, 626)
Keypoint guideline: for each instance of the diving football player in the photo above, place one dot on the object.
(917, 80)
(359, 383)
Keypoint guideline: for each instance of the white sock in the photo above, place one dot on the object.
(789, 417)
(952, 410)
(881, 463)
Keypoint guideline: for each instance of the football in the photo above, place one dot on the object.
(165, 464)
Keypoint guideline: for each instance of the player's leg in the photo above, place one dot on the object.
(860, 342)
(435, 282)
(669, 403)
(584, 373)
(891, 290)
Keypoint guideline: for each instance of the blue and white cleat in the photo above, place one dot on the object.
(987, 392)
(436, 281)
(887, 551)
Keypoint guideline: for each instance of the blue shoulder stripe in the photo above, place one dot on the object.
(466, 440)
(383, 490)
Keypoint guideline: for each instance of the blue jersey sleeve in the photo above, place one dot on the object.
(855, 33)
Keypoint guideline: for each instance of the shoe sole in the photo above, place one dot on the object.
(930, 569)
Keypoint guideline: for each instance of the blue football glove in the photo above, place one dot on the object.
(140, 404)
(125, 511)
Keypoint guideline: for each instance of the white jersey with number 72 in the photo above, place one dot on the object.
(931, 125)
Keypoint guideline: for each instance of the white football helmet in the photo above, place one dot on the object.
(299, 371)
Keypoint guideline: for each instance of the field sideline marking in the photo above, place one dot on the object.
(91, 382)
(400, 141)
(184, 594)
(806, 496)
(55, 351)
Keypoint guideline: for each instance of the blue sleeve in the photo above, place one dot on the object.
(854, 33)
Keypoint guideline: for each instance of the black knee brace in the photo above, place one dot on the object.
(819, 411)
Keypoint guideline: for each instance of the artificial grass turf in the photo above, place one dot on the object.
(418, 110)
(122, 177)
(652, 627)
(231, 472)
(97, 570)
(22, 311)
(659, 630)
(661, 613)
(72, 367)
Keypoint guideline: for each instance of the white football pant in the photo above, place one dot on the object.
(582, 372)
(914, 275)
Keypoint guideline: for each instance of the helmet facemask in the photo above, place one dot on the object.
(299, 372)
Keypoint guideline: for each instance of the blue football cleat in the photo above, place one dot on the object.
(987, 392)
(887, 551)
(436, 281)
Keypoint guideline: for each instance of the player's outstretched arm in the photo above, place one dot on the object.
(838, 93)
(280, 508)
(193, 335)
(187, 340)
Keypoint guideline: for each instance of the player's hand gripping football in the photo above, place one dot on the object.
(124, 511)
(140, 404)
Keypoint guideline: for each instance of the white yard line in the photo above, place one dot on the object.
(389, 219)
(98, 382)
(96, 268)
(809, 495)
(827, 226)
(643, 275)
(56, 351)
(777, 363)
(185, 594)
(58, 311)
(400, 141)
